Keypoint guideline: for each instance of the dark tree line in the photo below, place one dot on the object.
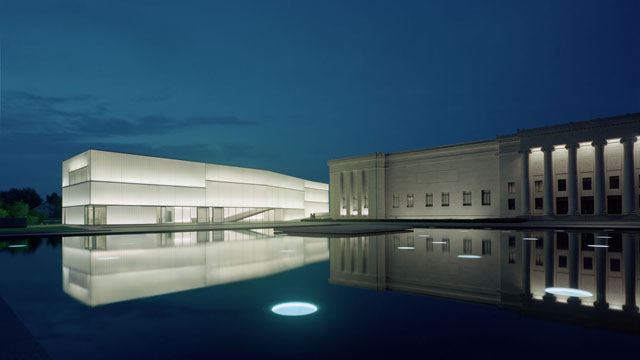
(18, 203)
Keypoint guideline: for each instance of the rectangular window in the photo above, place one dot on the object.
(409, 200)
(466, 246)
(396, 201)
(511, 188)
(614, 182)
(586, 183)
(446, 247)
(562, 185)
(586, 205)
(511, 204)
(538, 185)
(615, 265)
(366, 202)
(486, 197)
(538, 203)
(587, 263)
(466, 198)
(428, 200)
(512, 242)
(512, 257)
(486, 247)
(78, 176)
(445, 199)
(562, 261)
(539, 261)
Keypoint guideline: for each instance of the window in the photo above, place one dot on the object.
(466, 198)
(446, 247)
(614, 182)
(538, 203)
(511, 188)
(445, 199)
(466, 246)
(78, 176)
(512, 242)
(366, 202)
(562, 241)
(429, 245)
(586, 183)
(486, 197)
(539, 261)
(562, 185)
(538, 185)
(409, 200)
(344, 203)
(428, 200)
(396, 201)
(486, 247)
(511, 204)
(614, 265)
(586, 205)
(562, 261)
(587, 263)
(512, 257)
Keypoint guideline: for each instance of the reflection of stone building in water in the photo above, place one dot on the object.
(587, 168)
(500, 268)
(99, 270)
(102, 187)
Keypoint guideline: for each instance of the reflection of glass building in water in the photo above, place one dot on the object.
(99, 270)
(587, 168)
(507, 269)
(101, 187)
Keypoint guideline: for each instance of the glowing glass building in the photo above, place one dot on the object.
(102, 187)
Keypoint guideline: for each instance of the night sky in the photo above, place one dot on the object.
(288, 85)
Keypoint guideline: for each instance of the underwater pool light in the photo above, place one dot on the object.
(469, 256)
(294, 309)
(405, 247)
(17, 246)
(108, 258)
(438, 242)
(568, 292)
(598, 246)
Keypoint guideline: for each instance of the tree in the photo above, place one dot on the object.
(27, 195)
(19, 209)
(55, 203)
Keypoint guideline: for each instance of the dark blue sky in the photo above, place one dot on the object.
(288, 85)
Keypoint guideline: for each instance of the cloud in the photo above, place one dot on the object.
(83, 115)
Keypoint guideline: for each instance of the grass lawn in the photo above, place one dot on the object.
(39, 229)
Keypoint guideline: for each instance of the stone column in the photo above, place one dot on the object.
(628, 177)
(574, 265)
(599, 184)
(548, 265)
(629, 251)
(572, 183)
(525, 206)
(601, 273)
(526, 267)
(548, 180)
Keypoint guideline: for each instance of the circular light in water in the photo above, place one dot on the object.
(469, 256)
(406, 248)
(17, 246)
(530, 239)
(294, 309)
(598, 246)
(568, 292)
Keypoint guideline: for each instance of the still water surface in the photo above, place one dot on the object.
(428, 292)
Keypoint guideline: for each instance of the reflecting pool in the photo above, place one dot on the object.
(425, 292)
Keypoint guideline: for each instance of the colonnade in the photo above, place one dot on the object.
(599, 193)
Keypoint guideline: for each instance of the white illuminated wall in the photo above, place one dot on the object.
(136, 266)
(119, 180)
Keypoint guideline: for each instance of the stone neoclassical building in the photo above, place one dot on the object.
(586, 168)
